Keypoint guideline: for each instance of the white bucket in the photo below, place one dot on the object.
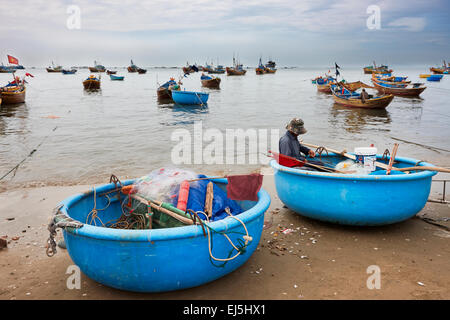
(367, 157)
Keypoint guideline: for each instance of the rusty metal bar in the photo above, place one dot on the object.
(443, 201)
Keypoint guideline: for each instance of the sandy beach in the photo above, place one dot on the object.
(315, 261)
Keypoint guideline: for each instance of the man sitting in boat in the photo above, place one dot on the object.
(291, 147)
(289, 144)
(364, 95)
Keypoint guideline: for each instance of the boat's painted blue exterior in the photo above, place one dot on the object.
(189, 97)
(113, 77)
(435, 77)
(363, 200)
(73, 71)
(160, 259)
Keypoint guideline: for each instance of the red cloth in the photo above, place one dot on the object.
(12, 60)
(244, 187)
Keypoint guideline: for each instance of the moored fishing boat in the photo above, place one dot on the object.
(190, 97)
(412, 90)
(324, 84)
(7, 69)
(142, 71)
(390, 79)
(435, 77)
(210, 82)
(72, 71)
(437, 70)
(270, 67)
(424, 75)
(353, 99)
(132, 67)
(260, 69)
(97, 68)
(91, 83)
(114, 77)
(354, 199)
(156, 260)
(12, 94)
(188, 69)
(236, 70)
(218, 70)
(164, 91)
(54, 68)
(110, 72)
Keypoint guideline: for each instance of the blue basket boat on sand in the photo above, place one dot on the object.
(156, 260)
(352, 199)
(190, 97)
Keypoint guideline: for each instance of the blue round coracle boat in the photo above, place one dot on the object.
(156, 260)
(190, 97)
(352, 199)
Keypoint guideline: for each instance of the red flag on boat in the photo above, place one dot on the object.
(29, 75)
(13, 60)
(244, 187)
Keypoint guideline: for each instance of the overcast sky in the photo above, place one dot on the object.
(171, 32)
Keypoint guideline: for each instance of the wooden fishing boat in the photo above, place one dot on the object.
(435, 77)
(368, 69)
(142, 71)
(354, 199)
(132, 68)
(12, 94)
(270, 70)
(164, 92)
(91, 83)
(437, 70)
(7, 69)
(391, 79)
(412, 90)
(113, 77)
(235, 72)
(210, 82)
(324, 84)
(270, 67)
(55, 69)
(110, 72)
(97, 68)
(390, 83)
(190, 97)
(352, 99)
(424, 75)
(218, 70)
(73, 71)
(260, 70)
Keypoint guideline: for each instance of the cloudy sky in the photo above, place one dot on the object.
(171, 32)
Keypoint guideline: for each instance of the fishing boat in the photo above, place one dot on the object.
(260, 69)
(190, 97)
(383, 69)
(391, 79)
(54, 68)
(113, 77)
(132, 67)
(236, 70)
(12, 94)
(72, 71)
(91, 83)
(324, 84)
(7, 69)
(142, 71)
(188, 69)
(97, 68)
(164, 91)
(424, 76)
(219, 70)
(270, 67)
(155, 260)
(435, 77)
(210, 82)
(354, 199)
(208, 68)
(412, 90)
(348, 98)
(110, 72)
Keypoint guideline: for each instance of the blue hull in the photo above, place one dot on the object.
(362, 200)
(435, 77)
(113, 77)
(161, 259)
(189, 97)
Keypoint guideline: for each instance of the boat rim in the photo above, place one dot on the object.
(189, 92)
(360, 177)
(164, 234)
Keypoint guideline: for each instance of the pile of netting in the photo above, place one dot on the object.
(166, 198)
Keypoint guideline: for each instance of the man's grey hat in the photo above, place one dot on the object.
(296, 126)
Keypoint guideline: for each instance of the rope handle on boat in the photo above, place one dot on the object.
(59, 220)
(240, 249)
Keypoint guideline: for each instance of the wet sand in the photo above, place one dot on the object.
(316, 261)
